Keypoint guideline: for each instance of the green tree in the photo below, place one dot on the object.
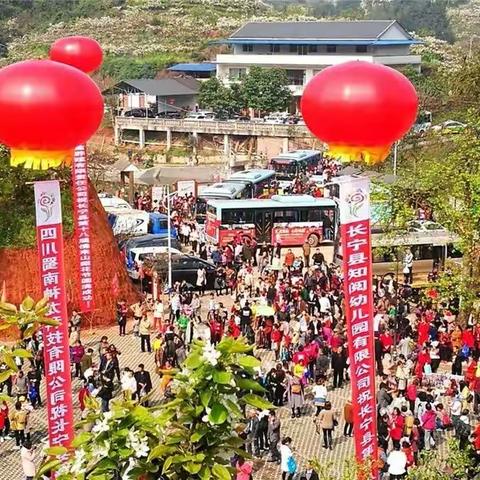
(266, 89)
(220, 98)
(190, 437)
(27, 318)
(445, 175)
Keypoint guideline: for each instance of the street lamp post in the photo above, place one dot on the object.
(395, 157)
(169, 238)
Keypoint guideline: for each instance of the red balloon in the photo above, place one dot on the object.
(83, 53)
(359, 109)
(46, 110)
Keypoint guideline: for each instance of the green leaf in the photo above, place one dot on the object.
(48, 321)
(193, 361)
(56, 451)
(9, 361)
(224, 378)
(233, 407)
(81, 439)
(8, 308)
(192, 468)
(249, 384)
(256, 401)
(205, 396)
(221, 472)
(204, 473)
(5, 375)
(218, 414)
(27, 304)
(239, 346)
(21, 353)
(48, 466)
(248, 361)
(160, 451)
(197, 435)
(167, 464)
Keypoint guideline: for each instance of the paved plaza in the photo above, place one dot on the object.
(306, 442)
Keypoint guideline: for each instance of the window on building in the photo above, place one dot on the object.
(247, 48)
(312, 49)
(274, 48)
(236, 73)
(296, 77)
(331, 48)
(361, 49)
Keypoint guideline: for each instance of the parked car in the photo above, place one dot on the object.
(141, 113)
(200, 115)
(184, 268)
(277, 117)
(173, 115)
(449, 126)
(149, 240)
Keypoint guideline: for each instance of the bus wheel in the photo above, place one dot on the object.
(313, 240)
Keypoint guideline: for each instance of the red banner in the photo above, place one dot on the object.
(48, 211)
(82, 228)
(357, 274)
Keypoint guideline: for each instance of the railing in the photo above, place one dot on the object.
(214, 127)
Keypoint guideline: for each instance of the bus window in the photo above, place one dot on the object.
(285, 216)
(303, 215)
(211, 209)
(314, 215)
(231, 217)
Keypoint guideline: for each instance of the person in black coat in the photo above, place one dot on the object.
(338, 366)
(144, 383)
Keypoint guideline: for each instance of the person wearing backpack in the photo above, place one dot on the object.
(288, 464)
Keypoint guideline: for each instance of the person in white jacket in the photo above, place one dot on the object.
(27, 456)
(129, 384)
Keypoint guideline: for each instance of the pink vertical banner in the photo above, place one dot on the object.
(82, 228)
(357, 272)
(48, 211)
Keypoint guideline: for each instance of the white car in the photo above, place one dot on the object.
(424, 226)
(449, 126)
(110, 202)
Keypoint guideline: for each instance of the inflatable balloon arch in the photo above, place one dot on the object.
(50, 108)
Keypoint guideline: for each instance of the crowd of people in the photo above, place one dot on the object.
(290, 307)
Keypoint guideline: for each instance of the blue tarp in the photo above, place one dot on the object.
(193, 67)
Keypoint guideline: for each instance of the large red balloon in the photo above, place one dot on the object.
(46, 110)
(83, 53)
(359, 109)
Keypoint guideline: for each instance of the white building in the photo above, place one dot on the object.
(305, 48)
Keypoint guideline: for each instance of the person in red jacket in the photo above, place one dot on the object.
(386, 340)
(423, 332)
(300, 357)
(468, 339)
(407, 450)
(3, 421)
(276, 339)
(396, 426)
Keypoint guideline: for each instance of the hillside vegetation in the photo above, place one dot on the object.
(141, 37)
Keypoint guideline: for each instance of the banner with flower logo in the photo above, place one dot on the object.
(48, 211)
(357, 284)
